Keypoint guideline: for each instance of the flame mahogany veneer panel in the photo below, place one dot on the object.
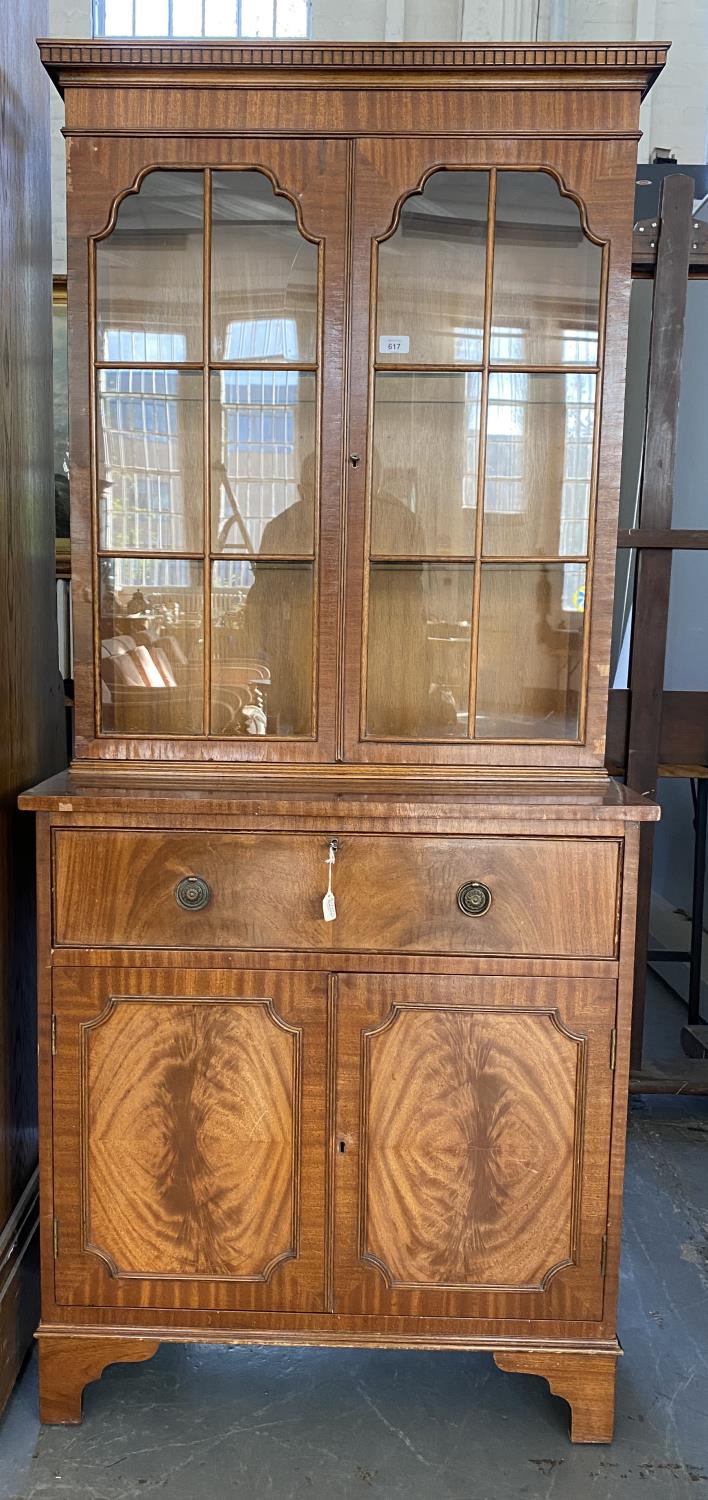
(189, 1138)
(476, 1116)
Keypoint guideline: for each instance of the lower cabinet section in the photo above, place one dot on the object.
(369, 1146)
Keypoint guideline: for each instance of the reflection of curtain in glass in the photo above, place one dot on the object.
(261, 453)
(506, 462)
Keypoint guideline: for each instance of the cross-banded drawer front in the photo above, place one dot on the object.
(410, 894)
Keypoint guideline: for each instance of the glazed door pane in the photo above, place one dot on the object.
(189, 1139)
(430, 307)
(538, 469)
(263, 462)
(547, 272)
(476, 1116)
(213, 380)
(418, 650)
(262, 623)
(424, 480)
(149, 460)
(529, 673)
(490, 469)
(149, 273)
(151, 632)
(263, 274)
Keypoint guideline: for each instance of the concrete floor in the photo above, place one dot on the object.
(203, 1423)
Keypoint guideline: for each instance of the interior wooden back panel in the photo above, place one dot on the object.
(554, 897)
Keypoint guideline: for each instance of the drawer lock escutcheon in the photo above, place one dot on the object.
(474, 898)
(192, 893)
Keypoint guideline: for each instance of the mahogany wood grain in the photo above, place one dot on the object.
(190, 1115)
(549, 896)
(314, 176)
(606, 64)
(67, 1365)
(189, 1138)
(404, 1128)
(537, 112)
(585, 1381)
(399, 794)
(473, 1121)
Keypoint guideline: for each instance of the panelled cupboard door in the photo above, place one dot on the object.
(473, 1128)
(189, 1139)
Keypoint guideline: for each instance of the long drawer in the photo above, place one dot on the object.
(408, 894)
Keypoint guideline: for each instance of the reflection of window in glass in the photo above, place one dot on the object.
(149, 269)
(547, 273)
(577, 464)
(149, 460)
(261, 338)
(506, 444)
(574, 588)
(263, 274)
(130, 346)
(469, 478)
(507, 346)
(227, 18)
(467, 345)
(431, 274)
(153, 573)
(263, 439)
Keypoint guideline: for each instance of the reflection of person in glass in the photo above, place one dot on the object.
(277, 618)
(277, 621)
(406, 695)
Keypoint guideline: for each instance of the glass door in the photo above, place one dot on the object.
(483, 376)
(217, 347)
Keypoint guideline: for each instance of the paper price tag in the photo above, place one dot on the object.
(329, 909)
(394, 343)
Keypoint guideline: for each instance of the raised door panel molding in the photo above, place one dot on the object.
(473, 1125)
(189, 1139)
(473, 1120)
(191, 1122)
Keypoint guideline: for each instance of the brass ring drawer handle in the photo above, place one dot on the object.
(474, 898)
(192, 893)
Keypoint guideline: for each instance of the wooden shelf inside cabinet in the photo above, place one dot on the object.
(346, 401)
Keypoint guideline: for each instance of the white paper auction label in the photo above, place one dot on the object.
(394, 343)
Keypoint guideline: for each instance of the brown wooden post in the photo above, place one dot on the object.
(653, 566)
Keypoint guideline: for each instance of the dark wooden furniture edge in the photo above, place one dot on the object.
(19, 1284)
(81, 56)
(71, 791)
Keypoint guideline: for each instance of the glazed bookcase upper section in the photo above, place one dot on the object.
(347, 331)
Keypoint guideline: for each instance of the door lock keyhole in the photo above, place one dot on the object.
(354, 460)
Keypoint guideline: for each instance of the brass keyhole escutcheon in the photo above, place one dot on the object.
(192, 893)
(474, 898)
